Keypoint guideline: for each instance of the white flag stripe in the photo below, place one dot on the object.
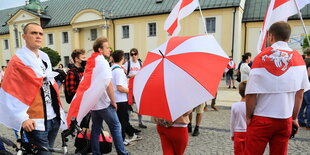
(13, 105)
(177, 105)
(97, 88)
(194, 45)
(281, 13)
(179, 13)
(141, 79)
(257, 82)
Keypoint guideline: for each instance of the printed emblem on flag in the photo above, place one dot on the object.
(277, 62)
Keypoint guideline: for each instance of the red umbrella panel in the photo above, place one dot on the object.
(179, 75)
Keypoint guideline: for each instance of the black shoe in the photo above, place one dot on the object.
(234, 87)
(189, 127)
(302, 124)
(196, 132)
(136, 131)
(142, 126)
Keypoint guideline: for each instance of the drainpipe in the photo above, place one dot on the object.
(113, 34)
(233, 34)
(245, 37)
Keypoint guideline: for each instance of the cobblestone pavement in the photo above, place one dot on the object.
(214, 138)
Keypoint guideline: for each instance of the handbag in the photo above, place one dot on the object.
(82, 142)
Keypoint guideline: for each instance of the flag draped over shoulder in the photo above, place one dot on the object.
(278, 10)
(93, 84)
(21, 84)
(272, 72)
(182, 9)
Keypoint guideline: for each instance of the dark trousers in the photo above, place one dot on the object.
(123, 116)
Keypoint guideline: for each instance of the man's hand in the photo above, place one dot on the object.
(114, 105)
(29, 125)
(248, 121)
(295, 123)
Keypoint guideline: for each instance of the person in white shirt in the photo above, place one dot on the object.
(245, 68)
(106, 108)
(238, 122)
(132, 67)
(120, 86)
(274, 94)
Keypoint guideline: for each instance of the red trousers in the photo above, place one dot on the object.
(173, 140)
(263, 130)
(239, 143)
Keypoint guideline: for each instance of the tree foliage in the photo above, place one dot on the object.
(305, 43)
(52, 54)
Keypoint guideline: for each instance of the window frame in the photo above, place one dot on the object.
(92, 36)
(211, 24)
(6, 44)
(152, 29)
(65, 39)
(50, 38)
(125, 35)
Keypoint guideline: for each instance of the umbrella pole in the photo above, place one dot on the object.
(302, 21)
(203, 21)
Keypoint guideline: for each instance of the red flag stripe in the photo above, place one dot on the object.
(279, 3)
(15, 84)
(76, 102)
(153, 91)
(185, 3)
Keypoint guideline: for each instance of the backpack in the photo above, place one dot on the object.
(128, 66)
(68, 96)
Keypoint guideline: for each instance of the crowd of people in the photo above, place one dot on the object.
(265, 114)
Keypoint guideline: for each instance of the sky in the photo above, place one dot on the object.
(4, 4)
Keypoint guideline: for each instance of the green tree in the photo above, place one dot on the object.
(305, 43)
(54, 56)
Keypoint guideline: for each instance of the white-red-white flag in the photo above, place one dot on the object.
(92, 88)
(278, 10)
(181, 10)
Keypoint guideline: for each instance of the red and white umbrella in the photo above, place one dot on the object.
(179, 75)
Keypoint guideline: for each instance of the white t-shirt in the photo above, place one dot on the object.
(104, 100)
(134, 67)
(245, 71)
(119, 79)
(50, 113)
(238, 118)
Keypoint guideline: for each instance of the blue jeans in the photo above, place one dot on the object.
(1, 146)
(110, 117)
(45, 138)
(305, 105)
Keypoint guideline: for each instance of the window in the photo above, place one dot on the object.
(16, 38)
(65, 37)
(210, 25)
(152, 29)
(125, 31)
(93, 34)
(6, 44)
(67, 60)
(50, 39)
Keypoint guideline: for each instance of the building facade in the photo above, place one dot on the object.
(71, 24)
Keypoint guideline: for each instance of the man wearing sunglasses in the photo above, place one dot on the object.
(132, 67)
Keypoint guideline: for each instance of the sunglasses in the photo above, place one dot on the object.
(133, 54)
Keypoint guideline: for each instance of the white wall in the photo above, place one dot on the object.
(88, 43)
(252, 40)
(65, 48)
(151, 41)
(218, 27)
(5, 52)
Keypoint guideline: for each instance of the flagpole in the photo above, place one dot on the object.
(203, 21)
(302, 21)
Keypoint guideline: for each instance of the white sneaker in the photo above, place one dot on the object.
(127, 142)
(135, 138)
